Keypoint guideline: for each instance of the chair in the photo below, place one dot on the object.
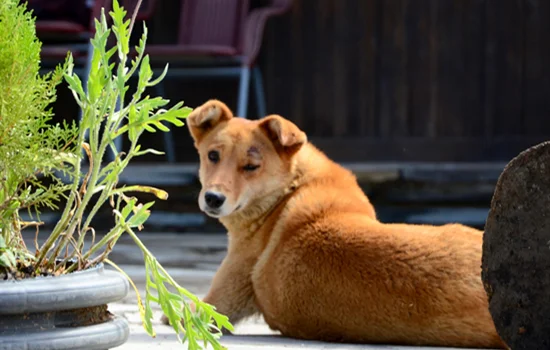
(59, 36)
(146, 10)
(228, 49)
(75, 37)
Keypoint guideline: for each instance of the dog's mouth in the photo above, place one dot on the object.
(216, 213)
(213, 212)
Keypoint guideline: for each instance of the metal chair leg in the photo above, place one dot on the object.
(169, 146)
(259, 92)
(244, 83)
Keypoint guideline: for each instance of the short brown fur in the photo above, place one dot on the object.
(308, 253)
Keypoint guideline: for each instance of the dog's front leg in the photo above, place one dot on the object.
(231, 291)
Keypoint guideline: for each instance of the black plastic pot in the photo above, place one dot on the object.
(65, 312)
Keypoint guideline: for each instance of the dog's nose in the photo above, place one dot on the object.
(214, 199)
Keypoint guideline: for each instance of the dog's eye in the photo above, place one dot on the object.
(250, 167)
(214, 156)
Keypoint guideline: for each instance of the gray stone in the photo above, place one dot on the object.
(516, 255)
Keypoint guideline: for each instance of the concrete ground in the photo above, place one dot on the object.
(192, 259)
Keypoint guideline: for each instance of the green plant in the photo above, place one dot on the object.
(29, 146)
(108, 111)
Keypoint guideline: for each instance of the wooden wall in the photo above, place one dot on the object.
(415, 80)
(397, 80)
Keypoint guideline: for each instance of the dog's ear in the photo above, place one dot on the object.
(284, 134)
(205, 117)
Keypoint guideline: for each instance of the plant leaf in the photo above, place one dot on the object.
(141, 215)
(159, 193)
(8, 259)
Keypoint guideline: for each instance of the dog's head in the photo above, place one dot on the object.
(241, 160)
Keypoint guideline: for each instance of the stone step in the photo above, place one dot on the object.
(401, 192)
(193, 222)
(471, 216)
(165, 174)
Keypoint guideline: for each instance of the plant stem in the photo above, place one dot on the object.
(62, 223)
(92, 183)
(134, 15)
(147, 253)
(113, 233)
(66, 215)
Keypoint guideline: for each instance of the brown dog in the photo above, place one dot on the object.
(307, 252)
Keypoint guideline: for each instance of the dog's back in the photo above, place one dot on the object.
(331, 271)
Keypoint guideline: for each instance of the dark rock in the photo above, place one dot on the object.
(516, 254)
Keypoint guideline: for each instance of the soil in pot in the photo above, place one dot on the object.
(22, 271)
(516, 252)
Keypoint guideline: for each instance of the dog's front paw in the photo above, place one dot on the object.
(164, 320)
(226, 331)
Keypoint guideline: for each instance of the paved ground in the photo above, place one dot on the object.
(192, 259)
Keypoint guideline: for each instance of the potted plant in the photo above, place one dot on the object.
(56, 295)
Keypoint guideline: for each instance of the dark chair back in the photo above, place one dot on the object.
(146, 10)
(213, 23)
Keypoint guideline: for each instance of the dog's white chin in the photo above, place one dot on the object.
(213, 214)
(217, 214)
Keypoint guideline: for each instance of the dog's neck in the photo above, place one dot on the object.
(309, 165)
(249, 220)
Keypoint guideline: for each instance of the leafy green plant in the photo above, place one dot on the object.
(108, 111)
(29, 146)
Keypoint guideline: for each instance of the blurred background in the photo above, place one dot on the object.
(425, 100)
